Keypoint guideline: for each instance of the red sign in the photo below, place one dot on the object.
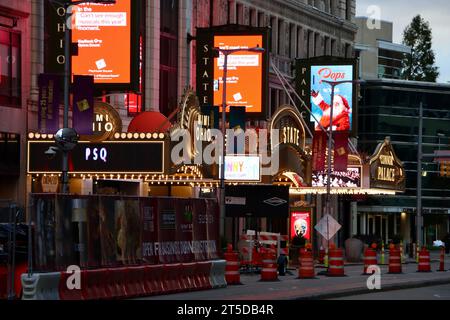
(301, 224)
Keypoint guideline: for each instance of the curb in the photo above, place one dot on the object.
(391, 287)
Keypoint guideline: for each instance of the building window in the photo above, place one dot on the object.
(10, 62)
(348, 51)
(333, 47)
(280, 36)
(261, 22)
(252, 20)
(239, 13)
(348, 10)
(10, 151)
(168, 81)
(273, 22)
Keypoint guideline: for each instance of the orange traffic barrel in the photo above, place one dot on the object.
(269, 269)
(370, 258)
(395, 263)
(306, 265)
(336, 263)
(424, 261)
(441, 260)
(232, 274)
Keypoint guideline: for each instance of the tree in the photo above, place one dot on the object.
(419, 65)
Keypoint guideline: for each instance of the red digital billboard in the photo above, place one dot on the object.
(105, 34)
(301, 224)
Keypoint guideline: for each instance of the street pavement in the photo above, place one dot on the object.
(290, 288)
(425, 293)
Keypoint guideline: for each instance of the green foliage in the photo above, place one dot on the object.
(419, 65)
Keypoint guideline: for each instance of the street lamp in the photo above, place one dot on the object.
(67, 74)
(226, 53)
(333, 84)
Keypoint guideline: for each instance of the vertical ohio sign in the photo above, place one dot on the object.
(247, 72)
(107, 43)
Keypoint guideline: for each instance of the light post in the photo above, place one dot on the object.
(67, 74)
(226, 53)
(333, 84)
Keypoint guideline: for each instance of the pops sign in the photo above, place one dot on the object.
(301, 224)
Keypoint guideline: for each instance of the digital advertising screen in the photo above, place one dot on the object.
(107, 42)
(349, 179)
(301, 224)
(244, 72)
(242, 168)
(321, 97)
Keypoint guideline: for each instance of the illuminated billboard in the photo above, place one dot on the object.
(312, 77)
(242, 168)
(244, 72)
(111, 157)
(247, 71)
(321, 97)
(107, 37)
(301, 224)
(349, 179)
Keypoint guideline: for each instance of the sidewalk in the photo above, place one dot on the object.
(290, 288)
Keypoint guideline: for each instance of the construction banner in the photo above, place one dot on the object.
(340, 151)
(319, 148)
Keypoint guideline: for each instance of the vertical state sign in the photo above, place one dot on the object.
(104, 37)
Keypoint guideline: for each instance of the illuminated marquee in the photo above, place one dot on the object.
(386, 170)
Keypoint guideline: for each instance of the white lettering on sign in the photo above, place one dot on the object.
(178, 247)
(96, 154)
(291, 135)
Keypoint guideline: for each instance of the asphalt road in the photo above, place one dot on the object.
(425, 293)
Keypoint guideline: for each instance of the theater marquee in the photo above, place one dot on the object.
(386, 170)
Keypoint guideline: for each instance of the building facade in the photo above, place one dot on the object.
(379, 57)
(391, 108)
(15, 82)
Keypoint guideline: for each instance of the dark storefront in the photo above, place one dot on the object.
(391, 108)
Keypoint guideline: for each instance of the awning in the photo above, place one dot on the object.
(149, 122)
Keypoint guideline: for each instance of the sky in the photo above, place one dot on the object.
(401, 12)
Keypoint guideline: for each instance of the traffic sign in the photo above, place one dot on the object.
(327, 227)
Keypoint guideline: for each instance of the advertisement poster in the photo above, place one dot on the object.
(184, 228)
(128, 231)
(245, 71)
(149, 220)
(103, 34)
(321, 97)
(350, 178)
(301, 224)
(83, 104)
(107, 231)
(49, 100)
(166, 248)
(242, 168)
